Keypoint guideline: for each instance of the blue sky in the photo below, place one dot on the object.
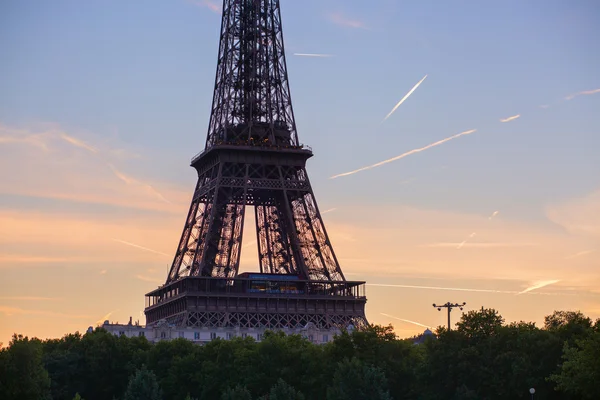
(135, 82)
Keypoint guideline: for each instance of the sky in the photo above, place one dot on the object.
(103, 104)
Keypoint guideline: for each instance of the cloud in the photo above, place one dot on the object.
(408, 153)
(142, 248)
(510, 118)
(103, 272)
(105, 318)
(539, 285)
(211, 5)
(72, 175)
(493, 215)
(584, 93)
(28, 298)
(478, 244)
(317, 55)
(403, 99)
(30, 259)
(341, 20)
(329, 210)
(579, 216)
(149, 279)
(10, 311)
(452, 289)
(405, 320)
(472, 235)
(580, 254)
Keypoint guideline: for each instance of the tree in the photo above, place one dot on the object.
(22, 373)
(143, 386)
(481, 323)
(236, 393)
(77, 397)
(580, 370)
(354, 380)
(282, 391)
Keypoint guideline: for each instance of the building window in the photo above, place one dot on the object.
(213, 335)
(121, 333)
(141, 333)
(163, 335)
(196, 335)
(229, 336)
(259, 336)
(244, 335)
(181, 334)
(325, 338)
(310, 337)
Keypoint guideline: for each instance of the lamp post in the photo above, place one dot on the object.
(449, 306)
(532, 391)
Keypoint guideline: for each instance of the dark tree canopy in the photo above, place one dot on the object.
(484, 358)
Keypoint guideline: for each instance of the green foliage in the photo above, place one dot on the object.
(143, 386)
(236, 393)
(77, 397)
(354, 380)
(22, 373)
(483, 358)
(581, 369)
(283, 391)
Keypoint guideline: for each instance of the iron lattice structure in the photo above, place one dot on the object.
(252, 157)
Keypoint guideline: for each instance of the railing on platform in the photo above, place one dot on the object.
(251, 145)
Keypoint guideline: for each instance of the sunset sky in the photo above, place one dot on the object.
(103, 104)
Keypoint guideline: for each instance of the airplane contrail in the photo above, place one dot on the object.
(444, 288)
(539, 285)
(472, 235)
(141, 247)
(403, 99)
(510, 118)
(581, 253)
(408, 153)
(405, 320)
(329, 210)
(585, 92)
(493, 215)
(314, 55)
(101, 320)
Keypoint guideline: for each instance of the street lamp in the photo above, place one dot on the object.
(532, 391)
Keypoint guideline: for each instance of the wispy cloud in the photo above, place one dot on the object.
(131, 181)
(148, 279)
(141, 247)
(329, 210)
(539, 285)
(493, 215)
(472, 235)
(466, 243)
(444, 288)
(28, 259)
(106, 317)
(405, 320)
(584, 93)
(317, 55)
(403, 99)
(28, 298)
(341, 20)
(544, 106)
(10, 311)
(510, 118)
(580, 254)
(211, 5)
(408, 153)
(77, 143)
(103, 272)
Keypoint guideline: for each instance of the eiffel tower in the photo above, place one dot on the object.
(252, 157)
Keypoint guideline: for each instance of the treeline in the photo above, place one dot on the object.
(484, 358)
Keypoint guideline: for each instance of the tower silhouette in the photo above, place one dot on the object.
(253, 157)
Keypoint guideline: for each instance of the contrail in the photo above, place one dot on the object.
(510, 118)
(314, 55)
(408, 153)
(130, 181)
(77, 143)
(581, 253)
(101, 320)
(405, 320)
(404, 98)
(585, 92)
(539, 285)
(141, 247)
(329, 210)
(472, 235)
(493, 215)
(444, 288)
